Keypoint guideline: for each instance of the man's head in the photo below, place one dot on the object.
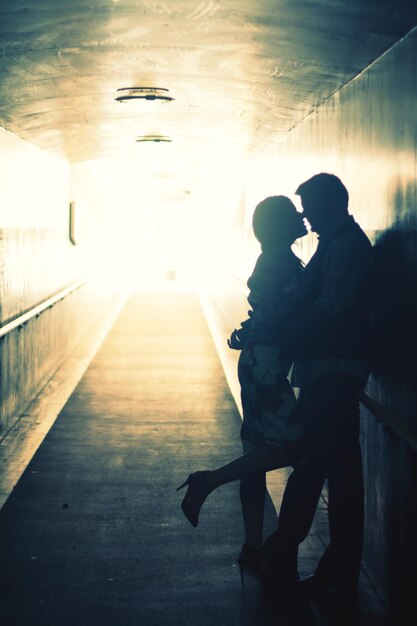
(325, 200)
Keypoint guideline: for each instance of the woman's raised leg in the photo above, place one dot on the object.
(256, 461)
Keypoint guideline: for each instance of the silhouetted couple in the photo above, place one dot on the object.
(316, 319)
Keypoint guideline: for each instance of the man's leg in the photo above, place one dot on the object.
(341, 561)
(296, 515)
(330, 413)
(340, 564)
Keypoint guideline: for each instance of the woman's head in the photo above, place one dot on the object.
(276, 220)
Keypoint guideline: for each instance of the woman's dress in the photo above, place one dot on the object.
(268, 400)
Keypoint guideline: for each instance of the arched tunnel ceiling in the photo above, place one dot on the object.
(241, 72)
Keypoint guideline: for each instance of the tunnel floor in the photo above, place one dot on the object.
(93, 534)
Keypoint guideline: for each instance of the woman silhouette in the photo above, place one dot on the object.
(271, 434)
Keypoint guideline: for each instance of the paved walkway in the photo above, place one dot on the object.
(93, 533)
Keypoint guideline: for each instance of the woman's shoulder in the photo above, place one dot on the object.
(274, 280)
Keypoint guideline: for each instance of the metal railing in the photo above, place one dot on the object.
(404, 428)
(37, 310)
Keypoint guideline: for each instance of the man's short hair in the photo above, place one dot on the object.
(327, 189)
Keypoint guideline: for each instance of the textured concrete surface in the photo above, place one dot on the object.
(93, 534)
(240, 73)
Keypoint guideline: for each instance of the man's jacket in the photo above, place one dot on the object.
(328, 314)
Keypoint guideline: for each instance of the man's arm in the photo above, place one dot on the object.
(346, 269)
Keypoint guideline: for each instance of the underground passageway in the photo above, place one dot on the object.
(136, 139)
(93, 532)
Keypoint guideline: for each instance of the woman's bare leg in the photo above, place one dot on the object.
(252, 498)
(257, 461)
(250, 468)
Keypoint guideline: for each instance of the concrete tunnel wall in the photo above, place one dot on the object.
(366, 134)
(38, 259)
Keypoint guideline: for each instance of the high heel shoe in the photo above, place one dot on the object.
(196, 494)
(253, 559)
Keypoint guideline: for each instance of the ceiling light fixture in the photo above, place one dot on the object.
(156, 138)
(143, 93)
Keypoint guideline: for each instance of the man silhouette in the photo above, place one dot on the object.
(325, 330)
